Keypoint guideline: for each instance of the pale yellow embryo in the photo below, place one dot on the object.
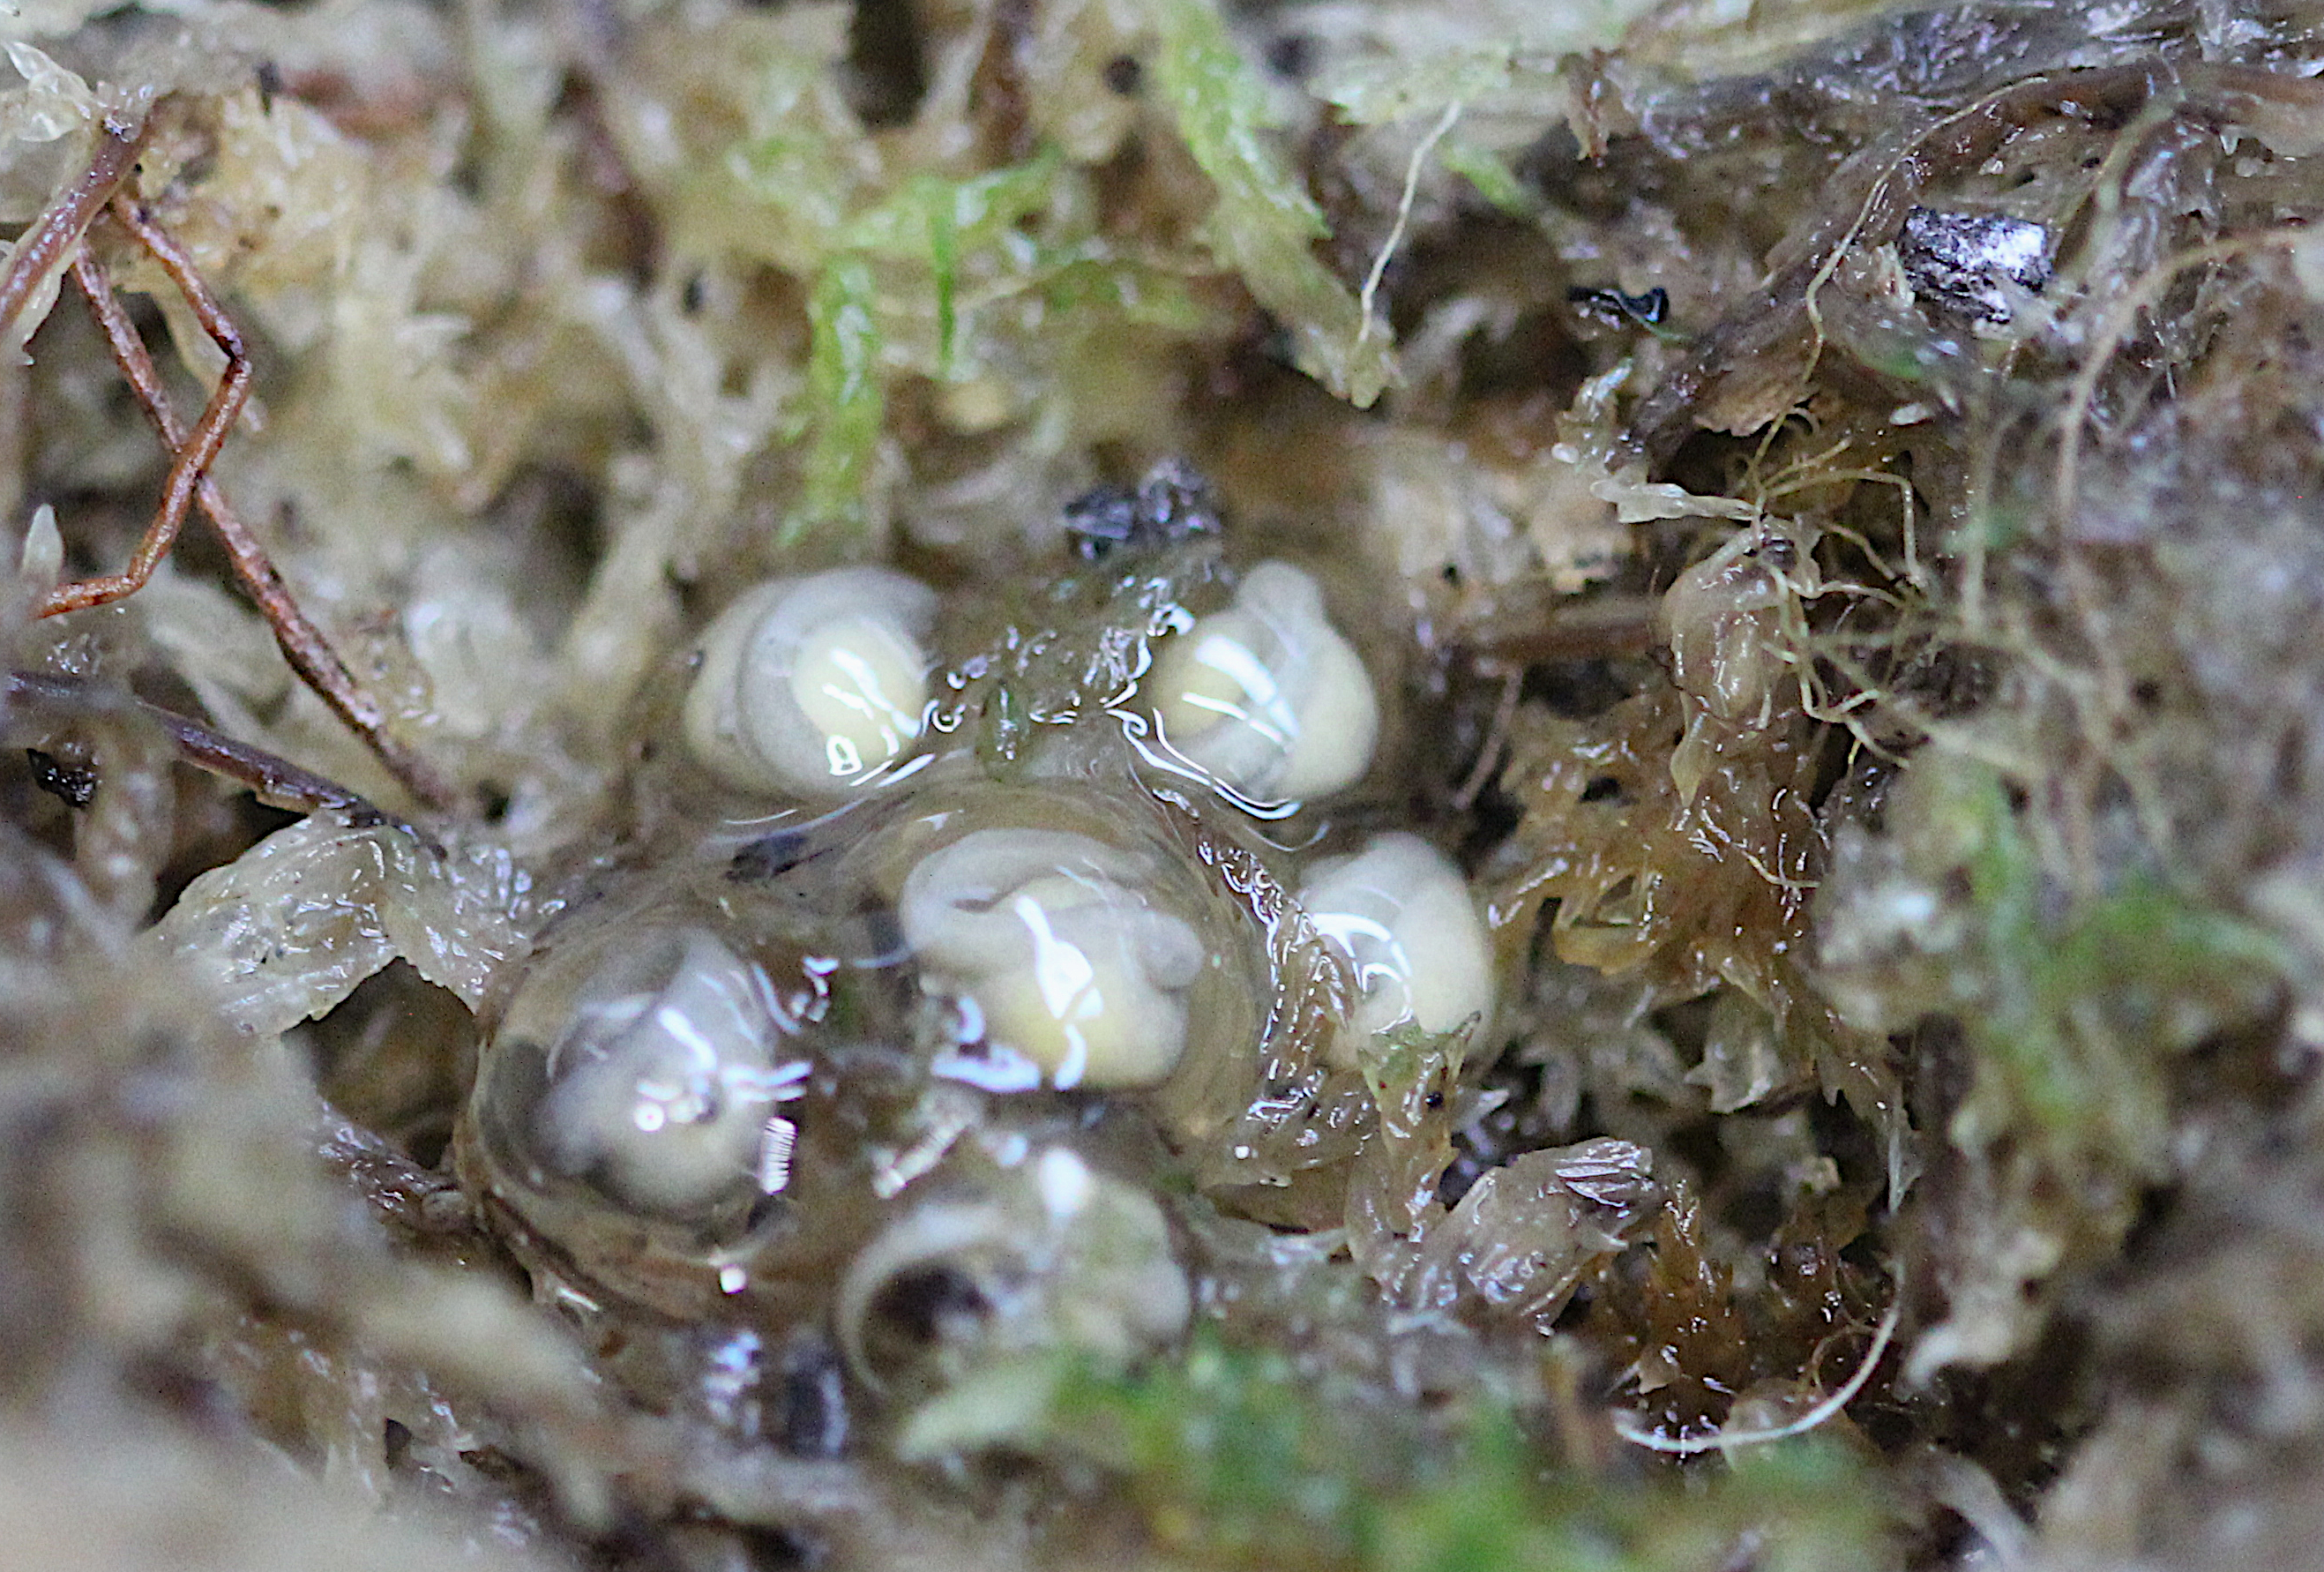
(1075, 979)
(1401, 914)
(812, 687)
(1266, 697)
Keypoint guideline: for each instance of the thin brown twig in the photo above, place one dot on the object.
(188, 471)
(1591, 631)
(1496, 743)
(276, 780)
(41, 249)
(309, 654)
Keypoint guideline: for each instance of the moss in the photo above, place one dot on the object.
(847, 398)
(1238, 1459)
(1879, 702)
(906, 255)
(1265, 225)
(1490, 174)
(2079, 1005)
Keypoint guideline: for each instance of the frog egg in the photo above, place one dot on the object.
(1043, 1255)
(1266, 697)
(812, 686)
(659, 1084)
(1075, 976)
(1401, 912)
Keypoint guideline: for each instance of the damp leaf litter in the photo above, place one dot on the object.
(1039, 783)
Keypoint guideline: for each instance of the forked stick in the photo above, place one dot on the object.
(190, 468)
(303, 644)
(59, 232)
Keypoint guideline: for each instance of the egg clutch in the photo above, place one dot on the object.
(986, 943)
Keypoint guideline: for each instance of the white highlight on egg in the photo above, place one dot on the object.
(664, 1086)
(1049, 943)
(1401, 914)
(812, 685)
(1265, 696)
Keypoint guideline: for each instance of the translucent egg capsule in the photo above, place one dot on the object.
(1265, 695)
(1076, 975)
(1045, 1255)
(1401, 912)
(812, 686)
(660, 1082)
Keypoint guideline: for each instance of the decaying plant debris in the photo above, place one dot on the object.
(1832, 497)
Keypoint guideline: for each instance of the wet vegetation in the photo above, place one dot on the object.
(1796, 534)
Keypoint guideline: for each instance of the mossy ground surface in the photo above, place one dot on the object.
(1833, 499)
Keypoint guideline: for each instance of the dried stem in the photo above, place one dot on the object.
(41, 249)
(310, 654)
(58, 233)
(189, 471)
(1592, 630)
(276, 780)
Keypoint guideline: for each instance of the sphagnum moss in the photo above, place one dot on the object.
(1873, 705)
